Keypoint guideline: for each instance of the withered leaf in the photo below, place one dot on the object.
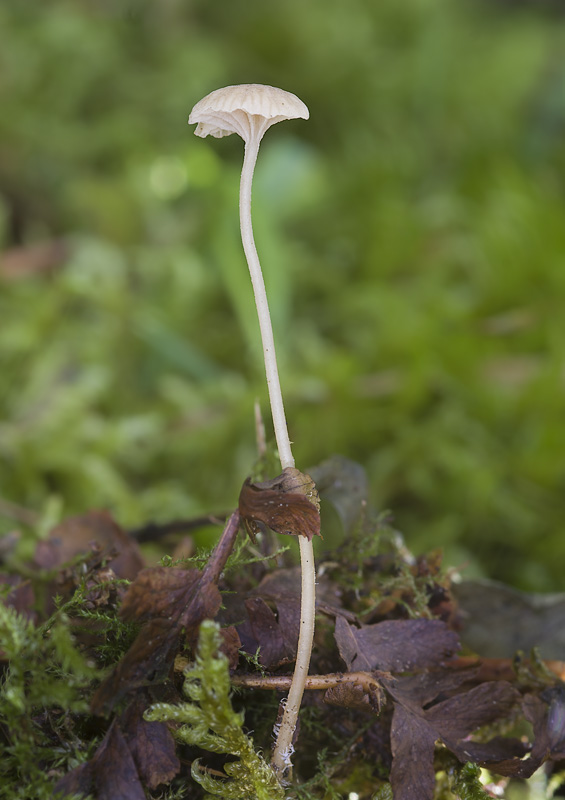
(288, 608)
(395, 645)
(177, 609)
(497, 750)
(412, 774)
(133, 754)
(284, 586)
(454, 719)
(499, 619)
(460, 715)
(288, 617)
(148, 660)
(111, 773)
(76, 782)
(287, 504)
(292, 480)
(548, 722)
(281, 584)
(435, 684)
(345, 484)
(262, 630)
(231, 645)
(75, 536)
(418, 645)
(150, 743)
(415, 730)
(158, 592)
(555, 717)
(281, 588)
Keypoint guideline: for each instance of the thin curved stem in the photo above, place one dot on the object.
(283, 746)
(269, 354)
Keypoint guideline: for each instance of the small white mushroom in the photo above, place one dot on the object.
(249, 110)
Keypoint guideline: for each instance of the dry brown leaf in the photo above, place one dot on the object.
(168, 602)
(395, 645)
(286, 504)
(76, 535)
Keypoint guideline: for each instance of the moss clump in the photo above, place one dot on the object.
(42, 697)
(210, 722)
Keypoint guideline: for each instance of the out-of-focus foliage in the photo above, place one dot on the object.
(413, 239)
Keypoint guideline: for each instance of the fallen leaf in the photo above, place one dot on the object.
(434, 684)
(345, 485)
(231, 645)
(134, 753)
(159, 592)
(546, 714)
(75, 536)
(395, 645)
(555, 719)
(415, 729)
(429, 706)
(281, 589)
(412, 774)
(262, 631)
(109, 775)
(286, 585)
(150, 743)
(458, 716)
(498, 620)
(169, 602)
(286, 504)
(147, 661)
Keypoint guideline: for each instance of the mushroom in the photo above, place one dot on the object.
(249, 110)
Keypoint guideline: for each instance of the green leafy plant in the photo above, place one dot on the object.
(209, 721)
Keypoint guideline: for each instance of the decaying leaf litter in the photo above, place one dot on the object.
(388, 685)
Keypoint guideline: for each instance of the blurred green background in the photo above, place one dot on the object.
(412, 235)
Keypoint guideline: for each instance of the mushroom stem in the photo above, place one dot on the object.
(269, 354)
(283, 745)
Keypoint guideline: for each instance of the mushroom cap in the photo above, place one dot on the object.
(248, 109)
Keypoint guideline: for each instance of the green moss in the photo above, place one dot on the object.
(210, 722)
(467, 785)
(42, 697)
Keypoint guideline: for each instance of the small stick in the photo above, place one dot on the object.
(366, 680)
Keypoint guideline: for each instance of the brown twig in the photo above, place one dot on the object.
(217, 561)
(366, 680)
